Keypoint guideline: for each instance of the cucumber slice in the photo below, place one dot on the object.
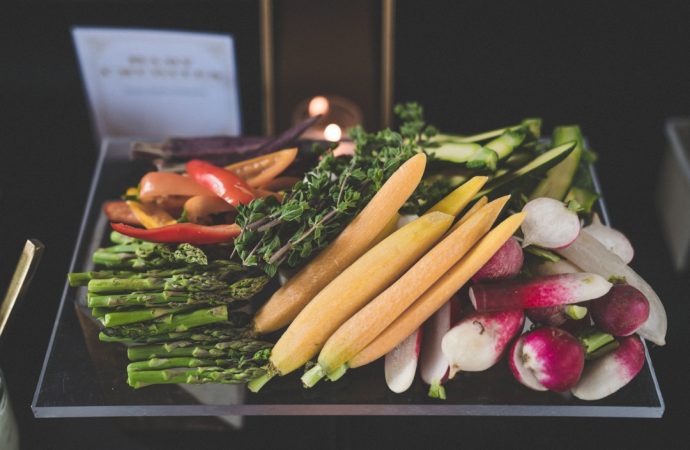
(506, 143)
(560, 177)
(454, 151)
(484, 158)
(538, 165)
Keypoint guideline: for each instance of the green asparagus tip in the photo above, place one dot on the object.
(337, 373)
(312, 376)
(256, 384)
(437, 390)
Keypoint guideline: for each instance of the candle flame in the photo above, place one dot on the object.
(318, 105)
(332, 132)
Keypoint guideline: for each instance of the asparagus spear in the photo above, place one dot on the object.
(179, 322)
(117, 318)
(190, 361)
(220, 268)
(170, 298)
(207, 334)
(198, 375)
(239, 347)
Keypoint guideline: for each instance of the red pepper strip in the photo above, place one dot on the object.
(192, 233)
(221, 182)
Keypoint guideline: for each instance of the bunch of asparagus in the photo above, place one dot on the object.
(177, 309)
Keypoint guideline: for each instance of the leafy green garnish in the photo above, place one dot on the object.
(317, 208)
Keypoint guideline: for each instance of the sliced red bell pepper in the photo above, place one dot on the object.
(221, 182)
(192, 233)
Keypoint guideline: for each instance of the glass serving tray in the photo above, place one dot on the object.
(83, 377)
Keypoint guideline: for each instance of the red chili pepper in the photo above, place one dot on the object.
(223, 183)
(182, 232)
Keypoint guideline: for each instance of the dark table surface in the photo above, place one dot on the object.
(628, 75)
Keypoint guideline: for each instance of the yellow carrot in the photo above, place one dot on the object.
(353, 289)
(355, 239)
(373, 318)
(479, 204)
(456, 201)
(439, 293)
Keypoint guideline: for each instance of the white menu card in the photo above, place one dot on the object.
(155, 84)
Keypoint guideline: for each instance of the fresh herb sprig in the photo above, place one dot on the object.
(319, 207)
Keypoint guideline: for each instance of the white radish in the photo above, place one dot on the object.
(590, 255)
(554, 267)
(401, 363)
(478, 341)
(538, 292)
(434, 365)
(612, 239)
(609, 373)
(549, 224)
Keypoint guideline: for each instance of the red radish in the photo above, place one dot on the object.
(434, 365)
(556, 316)
(401, 363)
(554, 267)
(547, 358)
(606, 375)
(621, 311)
(612, 239)
(506, 263)
(590, 255)
(478, 341)
(538, 292)
(549, 224)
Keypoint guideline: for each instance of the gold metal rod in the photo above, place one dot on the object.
(266, 27)
(26, 267)
(387, 61)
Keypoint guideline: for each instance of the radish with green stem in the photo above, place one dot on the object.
(434, 365)
(622, 311)
(590, 255)
(506, 263)
(538, 292)
(612, 239)
(477, 342)
(547, 359)
(401, 363)
(606, 375)
(549, 224)
(556, 316)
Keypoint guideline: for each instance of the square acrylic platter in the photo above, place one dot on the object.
(83, 377)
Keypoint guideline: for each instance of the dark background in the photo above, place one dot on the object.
(618, 69)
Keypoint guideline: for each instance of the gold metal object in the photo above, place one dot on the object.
(387, 53)
(266, 27)
(26, 267)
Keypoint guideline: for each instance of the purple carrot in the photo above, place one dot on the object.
(606, 375)
(622, 311)
(547, 358)
(506, 263)
(538, 292)
(220, 149)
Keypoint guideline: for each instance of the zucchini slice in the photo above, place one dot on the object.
(537, 166)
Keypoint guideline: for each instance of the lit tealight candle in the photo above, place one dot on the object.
(332, 132)
(318, 105)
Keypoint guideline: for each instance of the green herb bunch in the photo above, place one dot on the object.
(319, 207)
